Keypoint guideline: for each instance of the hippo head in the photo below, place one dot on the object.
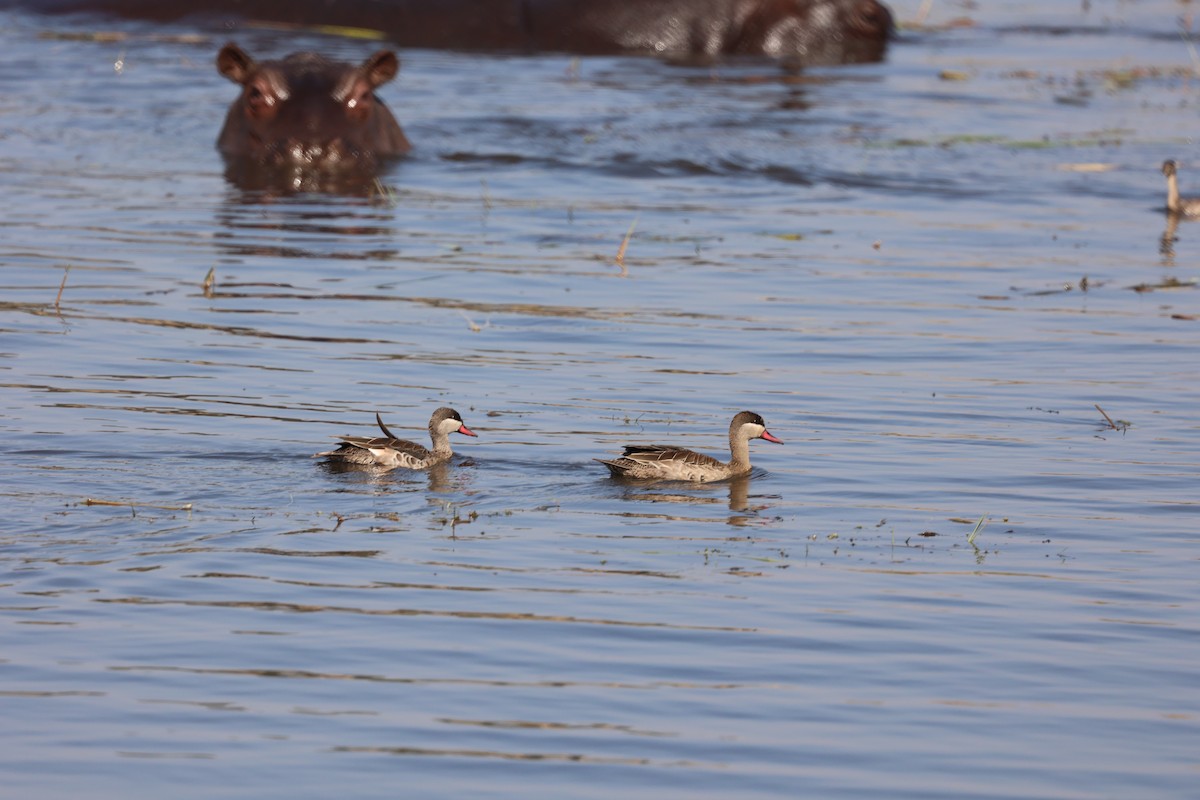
(816, 31)
(308, 112)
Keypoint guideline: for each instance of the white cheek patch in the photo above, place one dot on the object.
(752, 430)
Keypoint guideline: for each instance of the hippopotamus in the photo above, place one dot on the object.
(306, 111)
(804, 31)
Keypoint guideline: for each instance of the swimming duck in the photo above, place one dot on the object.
(660, 462)
(390, 452)
(1187, 206)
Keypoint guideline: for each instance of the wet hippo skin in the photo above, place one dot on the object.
(807, 31)
(308, 111)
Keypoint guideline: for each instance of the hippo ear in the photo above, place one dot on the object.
(234, 63)
(380, 68)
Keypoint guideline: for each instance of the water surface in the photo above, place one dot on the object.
(925, 274)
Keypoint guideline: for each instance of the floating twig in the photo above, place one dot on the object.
(91, 501)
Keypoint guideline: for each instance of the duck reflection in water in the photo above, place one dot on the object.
(747, 508)
(439, 478)
(1178, 208)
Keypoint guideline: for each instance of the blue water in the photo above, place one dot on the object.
(886, 263)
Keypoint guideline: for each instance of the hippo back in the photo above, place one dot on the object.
(804, 32)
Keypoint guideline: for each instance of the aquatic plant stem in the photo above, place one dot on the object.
(620, 260)
(61, 286)
(974, 533)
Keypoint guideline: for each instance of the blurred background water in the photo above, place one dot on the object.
(925, 274)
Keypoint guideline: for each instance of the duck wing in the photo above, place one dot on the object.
(383, 451)
(660, 454)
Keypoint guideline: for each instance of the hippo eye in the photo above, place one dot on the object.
(257, 100)
(358, 103)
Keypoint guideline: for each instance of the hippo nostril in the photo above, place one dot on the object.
(297, 151)
(321, 154)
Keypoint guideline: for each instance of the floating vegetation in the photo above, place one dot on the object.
(122, 36)
(1087, 167)
(1084, 284)
(92, 501)
(472, 324)
(1066, 141)
(1165, 284)
(369, 34)
(61, 286)
(978, 526)
(1118, 425)
(382, 195)
(620, 259)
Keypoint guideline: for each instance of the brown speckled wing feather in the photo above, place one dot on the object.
(650, 453)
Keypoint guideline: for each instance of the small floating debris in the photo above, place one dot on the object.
(1093, 166)
(472, 324)
(1165, 285)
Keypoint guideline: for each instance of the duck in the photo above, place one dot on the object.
(666, 463)
(1184, 206)
(390, 451)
